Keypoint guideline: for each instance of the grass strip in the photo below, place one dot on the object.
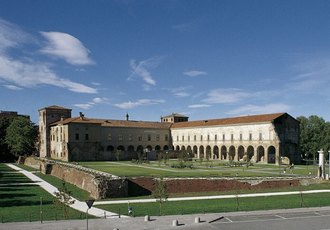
(223, 205)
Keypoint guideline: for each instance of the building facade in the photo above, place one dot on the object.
(260, 138)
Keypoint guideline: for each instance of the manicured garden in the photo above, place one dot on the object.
(21, 200)
(197, 169)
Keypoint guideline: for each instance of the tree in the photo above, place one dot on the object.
(160, 193)
(63, 199)
(4, 149)
(21, 136)
(314, 135)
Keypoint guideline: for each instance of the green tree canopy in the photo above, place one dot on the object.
(21, 136)
(314, 135)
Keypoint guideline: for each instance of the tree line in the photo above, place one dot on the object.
(19, 137)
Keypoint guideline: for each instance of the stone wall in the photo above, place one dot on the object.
(147, 184)
(99, 185)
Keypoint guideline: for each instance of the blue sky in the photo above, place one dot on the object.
(205, 59)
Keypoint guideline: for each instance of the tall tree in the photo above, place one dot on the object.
(4, 149)
(314, 135)
(21, 136)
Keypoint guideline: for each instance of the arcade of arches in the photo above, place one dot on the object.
(265, 154)
(262, 154)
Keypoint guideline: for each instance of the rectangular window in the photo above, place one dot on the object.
(140, 138)
(194, 137)
(223, 137)
(240, 136)
(215, 137)
(260, 136)
(188, 138)
(166, 137)
(109, 137)
(77, 136)
(157, 137)
(149, 137)
(232, 137)
(177, 138)
(130, 137)
(120, 137)
(182, 138)
(208, 137)
(86, 137)
(201, 137)
(250, 137)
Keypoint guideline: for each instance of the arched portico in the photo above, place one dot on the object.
(215, 152)
(260, 154)
(195, 151)
(232, 152)
(240, 152)
(250, 153)
(223, 153)
(271, 154)
(208, 152)
(201, 151)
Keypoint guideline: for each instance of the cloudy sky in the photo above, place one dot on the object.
(148, 58)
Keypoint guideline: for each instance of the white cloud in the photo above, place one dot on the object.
(260, 109)
(225, 96)
(142, 69)
(31, 74)
(67, 47)
(26, 72)
(180, 91)
(194, 73)
(91, 104)
(141, 102)
(13, 87)
(198, 106)
(11, 35)
(84, 106)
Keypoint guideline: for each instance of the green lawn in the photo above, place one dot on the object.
(223, 205)
(204, 169)
(22, 202)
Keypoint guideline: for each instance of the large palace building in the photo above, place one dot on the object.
(262, 138)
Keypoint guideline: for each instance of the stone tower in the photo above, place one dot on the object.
(47, 116)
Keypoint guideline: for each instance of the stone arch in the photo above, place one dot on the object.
(223, 153)
(139, 149)
(215, 152)
(121, 148)
(183, 148)
(165, 147)
(208, 152)
(232, 151)
(250, 152)
(195, 150)
(271, 154)
(157, 148)
(149, 148)
(260, 154)
(110, 148)
(189, 149)
(177, 148)
(201, 151)
(240, 152)
(130, 148)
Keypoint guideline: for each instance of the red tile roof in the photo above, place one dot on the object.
(115, 123)
(229, 121)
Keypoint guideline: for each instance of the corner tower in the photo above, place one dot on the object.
(47, 116)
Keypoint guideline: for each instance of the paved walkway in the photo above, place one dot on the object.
(78, 205)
